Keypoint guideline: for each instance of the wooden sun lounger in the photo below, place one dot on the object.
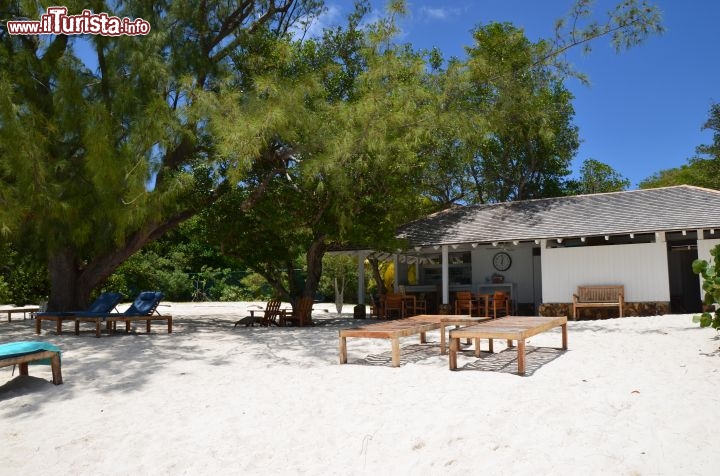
(23, 361)
(58, 318)
(112, 320)
(394, 330)
(24, 309)
(510, 328)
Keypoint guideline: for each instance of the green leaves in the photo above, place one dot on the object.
(711, 286)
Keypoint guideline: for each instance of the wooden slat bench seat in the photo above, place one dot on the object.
(24, 309)
(112, 320)
(394, 330)
(58, 318)
(510, 328)
(598, 296)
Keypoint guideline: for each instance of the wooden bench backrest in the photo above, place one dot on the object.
(600, 293)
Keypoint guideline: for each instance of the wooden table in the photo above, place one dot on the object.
(13, 310)
(511, 328)
(394, 330)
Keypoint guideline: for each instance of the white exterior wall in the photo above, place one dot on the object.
(704, 247)
(641, 268)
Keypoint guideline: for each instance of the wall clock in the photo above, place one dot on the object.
(502, 261)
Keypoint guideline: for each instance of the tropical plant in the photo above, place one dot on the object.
(710, 274)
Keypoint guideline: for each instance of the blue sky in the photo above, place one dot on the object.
(644, 109)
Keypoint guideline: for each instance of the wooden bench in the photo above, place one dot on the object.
(24, 309)
(111, 321)
(394, 330)
(598, 296)
(511, 328)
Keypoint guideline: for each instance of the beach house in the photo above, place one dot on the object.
(540, 251)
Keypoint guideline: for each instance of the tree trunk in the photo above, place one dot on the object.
(66, 291)
(314, 259)
(375, 265)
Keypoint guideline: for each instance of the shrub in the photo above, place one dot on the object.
(711, 286)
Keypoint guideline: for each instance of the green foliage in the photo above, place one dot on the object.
(353, 127)
(710, 274)
(510, 135)
(5, 296)
(339, 278)
(22, 280)
(597, 177)
(302, 145)
(702, 170)
(184, 267)
(97, 162)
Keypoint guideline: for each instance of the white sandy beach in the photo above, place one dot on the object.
(638, 395)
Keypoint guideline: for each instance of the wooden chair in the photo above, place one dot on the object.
(272, 314)
(420, 304)
(394, 303)
(301, 315)
(500, 304)
(464, 302)
(483, 304)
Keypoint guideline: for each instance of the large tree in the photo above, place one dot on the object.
(597, 177)
(513, 136)
(355, 128)
(102, 153)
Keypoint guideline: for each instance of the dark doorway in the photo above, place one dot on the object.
(684, 284)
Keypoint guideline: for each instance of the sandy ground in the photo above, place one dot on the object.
(630, 396)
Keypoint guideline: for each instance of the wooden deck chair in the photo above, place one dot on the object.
(420, 304)
(301, 315)
(103, 305)
(465, 304)
(500, 304)
(394, 305)
(143, 308)
(272, 315)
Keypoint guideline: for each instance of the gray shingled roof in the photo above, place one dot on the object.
(638, 211)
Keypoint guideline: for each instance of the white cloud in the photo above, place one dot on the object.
(435, 13)
(439, 13)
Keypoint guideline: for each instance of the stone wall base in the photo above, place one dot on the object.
(630, 309)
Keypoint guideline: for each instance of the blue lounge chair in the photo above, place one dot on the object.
(143, 308)
(24, 353)
(103, 305)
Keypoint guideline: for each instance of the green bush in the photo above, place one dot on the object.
(4, 291)
(711, 286)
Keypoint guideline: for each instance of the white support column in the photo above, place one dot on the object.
(396, 274)
(361, 277)
(445, 275)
